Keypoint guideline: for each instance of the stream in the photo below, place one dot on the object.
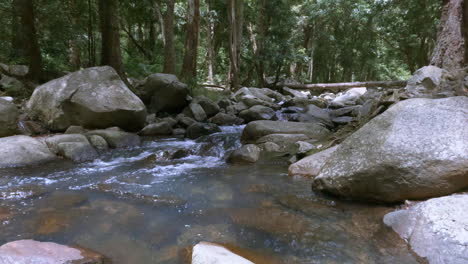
(152, 203)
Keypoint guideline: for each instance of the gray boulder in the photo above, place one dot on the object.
(294, 93)
(436, 229)
(236, 108)
(197, 112)
(197, 130)
(75, 147)
(8, 117)
(257, 112)
(92, 98)
(20, 151)
(417, 149)
(284, 141)
(249, 153)
(157, 129)
(315, 114)
(304, 102)
(425, 80)
(164, 93)
(184, 120)
(222, 119)
(257, 129)
(210, 107)
(310, 166)
(116, 138)
(35, 252)
(98, 142)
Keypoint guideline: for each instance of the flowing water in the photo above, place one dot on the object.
(151, 204)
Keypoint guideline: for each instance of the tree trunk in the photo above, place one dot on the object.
(189, 67)
(110, 33)
(235, 16)
(210, 28)
(450, 50)
(25, 39)
(169, 48)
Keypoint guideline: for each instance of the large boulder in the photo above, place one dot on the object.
(35, 252)
(164, 93)
(417, 149)
(437, 229)
(211, 108)
(8, 117)
(17, 151)
(310, 166)
(93, 98)
(425, 80)
(257, 129)
(209, 253)
(257, 112)
(249, 153)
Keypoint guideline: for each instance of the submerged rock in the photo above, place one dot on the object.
(30, 251)
(257, 129)
(92, 98)
(209, 253)
(417, 149)
(436, 229)
(17, 151)
(8, 117)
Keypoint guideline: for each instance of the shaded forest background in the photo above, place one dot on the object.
(236, 42)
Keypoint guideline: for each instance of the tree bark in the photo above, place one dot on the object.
(189, 67)
(450, 50)
(343, 86)
(110, 32)
(169, 48)
(25, 39)
(235, 17)
(210, 29)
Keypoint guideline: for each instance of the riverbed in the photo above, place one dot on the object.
(152, 203)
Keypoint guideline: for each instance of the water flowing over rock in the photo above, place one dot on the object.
(19, 151)
(257, 129)
(32, 252)
(417, 149)
(164, 93)
(209, 253)
(8, 117)
(436, 229)
(92, 98)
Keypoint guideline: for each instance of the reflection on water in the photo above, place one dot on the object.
(151, 204)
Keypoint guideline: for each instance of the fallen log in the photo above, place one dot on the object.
(342, 86)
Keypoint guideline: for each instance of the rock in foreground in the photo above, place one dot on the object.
(436, 229)
(209, 253)
(417, 149)
(19, 151)
(31, 252)
(92, 98)
(310, 166)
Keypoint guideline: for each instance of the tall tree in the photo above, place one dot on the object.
(189, 67)
(25, 40)
(236, 21)
(451, 48)
(110, 33)
(169, 45)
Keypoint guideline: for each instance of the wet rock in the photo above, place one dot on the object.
(257, 129)
(51, 222)
(310, 166)
(197, 130)
(257, 112)
(75, 130)
(31, 251)
(210, 107)
(420, 151)
(185, 121)
(117, 139)
(222, 119)
(425, 80)
(20, 151)
(164, 93)
(314, 114)
(246, 154)
(75, 147)
(5, 214)
(92, 98)
(98, 142)
(436, 229)
(32, 128)
(209, 253)
(157, 129)
(8, 116)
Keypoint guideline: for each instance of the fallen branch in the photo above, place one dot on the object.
(342, 86)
